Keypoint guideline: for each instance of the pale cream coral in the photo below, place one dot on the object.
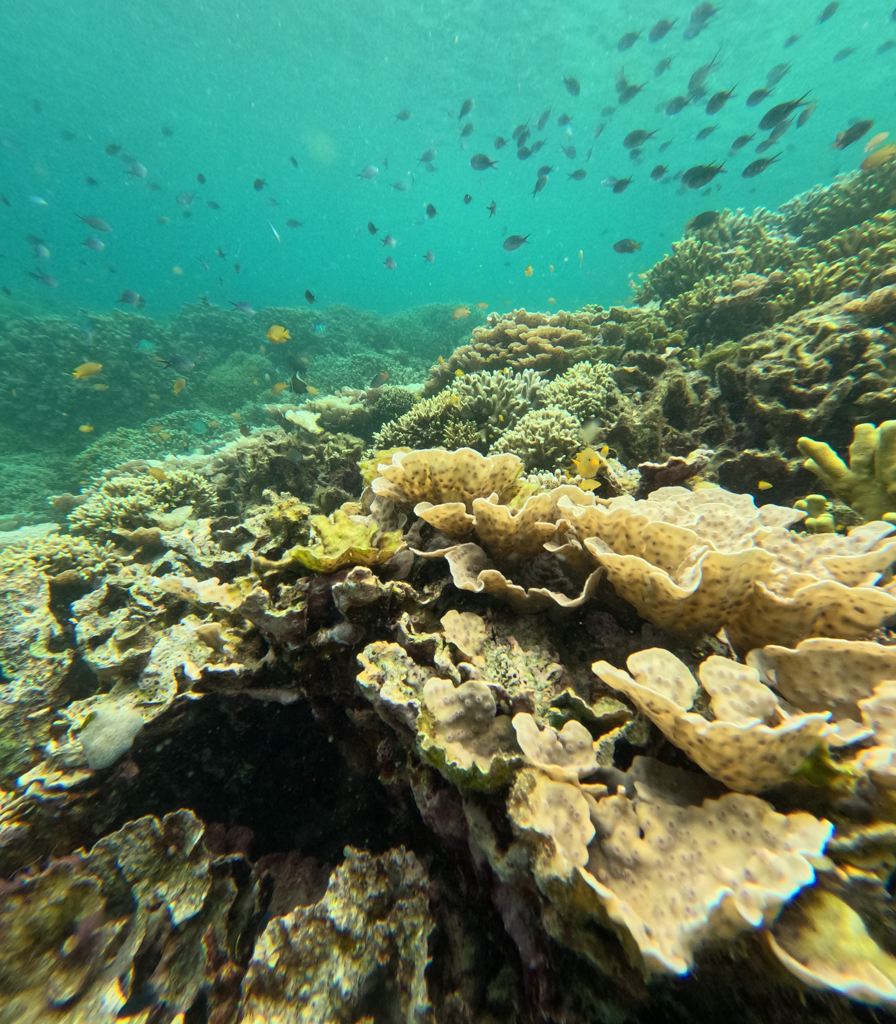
(738, 748)
(437, 476)
(567, 755)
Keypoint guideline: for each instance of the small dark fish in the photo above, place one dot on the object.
(468, 199)
(237, 268)
(662, 66)
(293, 223)
(465, 108)
(258, 184)
(429, 256)
(113, 149)
(90, 181)
(790, 40)
(523, 153)
(740, 142)
(637, 138)
(569, 151)
(96, 223)
(776, 74)
(806, 113)
(45, 279)
(371, 227)
(130, 298)
(758, 166)
(780, 112)
(179, 362)
(67, 135)
(212, 205)
(540, 183)
(718, 100)
(185, 198)
(626, 42)
(297, 385)
(513, 242)
(94, 243)
(828, 12)
(757, 96)
(572, 87)
(665, 145)
(389, 263)
(621, 184)
(702, 13)
(309, 297)
(629, 93)
(500, 142)
(844, 53)
(380, 379)
(536, 146)
(705, 133)
(522, 138)
(886, 45)
(578, 175)
(604, 112)
(564, 119)
(428, 156)
(543, 120)
(693, 29)
(703, 220)
(661, 29)
(167, 131)
(658, 172)
(492, 208)
(200, 178)
(481, 162)
(431, 211)
(677, 104)
(403, 115)
(153, 187)
(779, 130)
(765, 146)
(243, 307)
(546, 169)
(700, 175)
(853, 134)
(137, 170)
(466, 130)
(698, 78)
(626, 245)
(399, 186)
(389, 240)
(518, 131)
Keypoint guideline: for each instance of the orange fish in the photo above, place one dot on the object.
(278, 387)
(482, 305)
(86, 428)
(460, 313)
(528, 271)
(86, 370)
(876, 141)
(880, 156)
(277, 335)
(179, 385)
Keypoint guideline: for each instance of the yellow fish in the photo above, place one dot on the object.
(278, 387)
(551, 267)
(99, 387)
(587, 463)
(876, 141)
(880, 156)
(86, 428)
(482, 305)
(277, 334)
(458, 373)
(311, 390)
(764, 485)
(213, 423)
(442, 364)
(156, 429)
(86, 370)
(460, 313)
(552, 301)
(177, 271)
(155, 398)
(157, 473)
(528, 271)
(179, 385)
(236, 415)
(165, 435)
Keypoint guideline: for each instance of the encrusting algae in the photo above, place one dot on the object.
(549, 679)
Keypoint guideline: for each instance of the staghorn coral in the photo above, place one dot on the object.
(127, 501)
(868, 483)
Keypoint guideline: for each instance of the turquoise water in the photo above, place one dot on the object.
(244, 87)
